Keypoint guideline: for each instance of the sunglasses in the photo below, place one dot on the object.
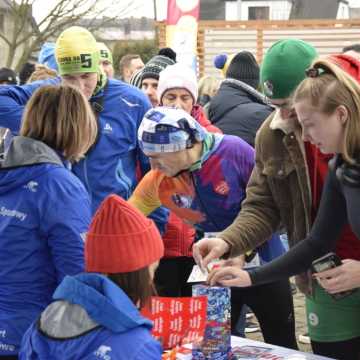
(314, 72)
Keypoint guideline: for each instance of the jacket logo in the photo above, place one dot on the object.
(12, 213)
(108, 128)
(102, 352)
(182, 201)
(222, 188)
(32, 186)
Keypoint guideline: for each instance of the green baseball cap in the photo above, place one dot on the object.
(283, 67)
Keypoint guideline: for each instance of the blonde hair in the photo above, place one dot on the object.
(328, 90)
(42, 72)
(61, 117)
(208, 85)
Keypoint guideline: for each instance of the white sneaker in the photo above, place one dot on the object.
(249, 315)
(304, 338)
(251, 327)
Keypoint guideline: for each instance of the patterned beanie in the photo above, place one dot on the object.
(244, 67)
(178, 76)
(121, 239)
(105, 53)
(136, 79)
(165, 129)
(76, 51)
(222, 62)
(155, 66)
(283, 67)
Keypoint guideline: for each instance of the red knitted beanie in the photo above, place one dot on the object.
(347, 63)
(121, 239)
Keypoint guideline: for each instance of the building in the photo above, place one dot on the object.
(273, 9)
(112, 30)
(324, 9)
(258, 10)
(7, 29)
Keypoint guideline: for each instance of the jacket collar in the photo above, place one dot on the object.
(247, 88)
(104, 302)
(286, 126)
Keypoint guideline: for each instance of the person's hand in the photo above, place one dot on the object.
(209, 249)
(341, 278)
(229, 276)
(238, 261)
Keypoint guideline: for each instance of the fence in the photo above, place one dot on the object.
(215, 37)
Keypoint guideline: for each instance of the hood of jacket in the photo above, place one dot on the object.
(232, 93)
(24, 152)
(86, 301)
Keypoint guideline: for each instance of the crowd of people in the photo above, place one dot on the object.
(111, 190)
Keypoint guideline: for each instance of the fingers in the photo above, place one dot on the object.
(229, 282)
(329, 273)
(332, 285)
(219, 274)
(212, 255)
(197, 256)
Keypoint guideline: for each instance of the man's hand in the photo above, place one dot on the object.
(209, 249)
(229, 276)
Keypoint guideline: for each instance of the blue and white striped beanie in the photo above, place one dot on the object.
(165, 129)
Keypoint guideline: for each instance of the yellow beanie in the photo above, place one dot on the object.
(76, 51)
(105, 53)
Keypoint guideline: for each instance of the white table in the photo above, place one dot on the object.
(265, 351)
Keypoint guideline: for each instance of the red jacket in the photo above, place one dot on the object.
(348, 246)
(179, 236)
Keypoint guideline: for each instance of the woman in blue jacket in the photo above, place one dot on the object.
(95, 315)
(44, 208)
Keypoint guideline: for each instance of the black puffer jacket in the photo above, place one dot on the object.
(238, 109)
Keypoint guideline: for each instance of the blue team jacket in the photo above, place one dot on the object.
(44, 212)
(91, 318)
(110, 166)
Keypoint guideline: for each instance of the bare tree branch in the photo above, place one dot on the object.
(26, 36)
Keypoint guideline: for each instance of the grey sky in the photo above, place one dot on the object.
(142, 8)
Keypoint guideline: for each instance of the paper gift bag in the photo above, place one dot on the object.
(216, 344)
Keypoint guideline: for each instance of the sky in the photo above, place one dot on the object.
(138, 8)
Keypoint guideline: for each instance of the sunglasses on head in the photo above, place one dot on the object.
(314, 72)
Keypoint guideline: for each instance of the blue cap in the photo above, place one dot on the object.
(47, 56)
(165, 129)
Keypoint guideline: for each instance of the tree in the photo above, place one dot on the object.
(145, 48)
(25, 36)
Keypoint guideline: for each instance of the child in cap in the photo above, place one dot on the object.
(96, 314)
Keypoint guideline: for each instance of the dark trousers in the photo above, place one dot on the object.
(171, 276)
(341, 350)
(273, 306)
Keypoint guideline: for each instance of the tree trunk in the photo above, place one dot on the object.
(10, 57)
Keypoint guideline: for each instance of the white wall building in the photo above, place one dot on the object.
(258, 10)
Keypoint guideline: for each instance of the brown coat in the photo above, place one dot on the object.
(278, 193)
